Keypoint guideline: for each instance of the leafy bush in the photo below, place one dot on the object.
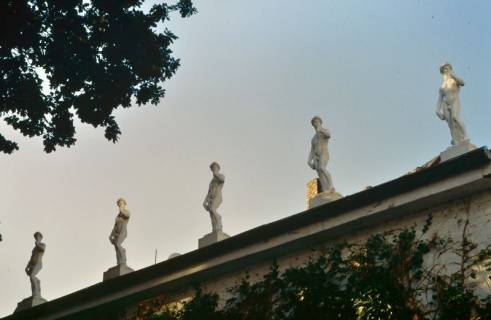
(399, 275)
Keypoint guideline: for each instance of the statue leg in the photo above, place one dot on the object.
(455, 125)
(120, 253)
(325, 179)
(452, 133)
(460, 132)
(212, 219)
(35, 282)
(35, 286)
(216, 220)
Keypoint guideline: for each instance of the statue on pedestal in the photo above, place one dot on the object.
(214, 197)
(318, 158)
(448, 106)
(119, 232)
(117, 236)
(212, 201)
(35, 264)
(448, 109)
(33, 267)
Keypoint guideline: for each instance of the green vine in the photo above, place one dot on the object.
(399, 275)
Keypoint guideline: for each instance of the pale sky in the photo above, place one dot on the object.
(253, 74)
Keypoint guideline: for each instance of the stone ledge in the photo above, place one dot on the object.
(212, 238)
(457, 150)
(116, 271)
(29, 303)
(324, 197)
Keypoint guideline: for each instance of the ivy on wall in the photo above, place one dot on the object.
(402, 274)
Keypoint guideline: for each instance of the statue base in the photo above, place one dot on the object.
(29, 303)
(457, 150)
(323, 198)
(116, 271)
(212, 238)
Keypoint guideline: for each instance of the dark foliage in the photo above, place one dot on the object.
(384, 278)
(200, 307)
(97, 55)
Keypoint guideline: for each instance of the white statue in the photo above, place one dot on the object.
(319, 155)
(119, 232)
(448, 106)
(214, 197)
(35, 264)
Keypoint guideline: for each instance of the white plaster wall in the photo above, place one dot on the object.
(448, 221)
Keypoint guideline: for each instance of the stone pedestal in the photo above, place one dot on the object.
(29, 303)
(324, 197)
(116, 271)
(212, 238)
(457, 150)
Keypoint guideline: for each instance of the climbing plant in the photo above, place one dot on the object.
(403, 274)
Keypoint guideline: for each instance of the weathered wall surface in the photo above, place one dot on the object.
(448, 220)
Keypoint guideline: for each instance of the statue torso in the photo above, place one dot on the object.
(215, 192)
(121, 223)
(319, 145)
(123, 216)
(449, 91)
(37, 254)
(216, 187)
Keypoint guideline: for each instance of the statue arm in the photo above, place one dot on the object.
(116, 230)
(125, 213)
(206, 201)
(220, 177)
(310, 161)
(41, 246)
(439, 106)
(325, 132)
(459, 81)
(29, 265)
(112, 235)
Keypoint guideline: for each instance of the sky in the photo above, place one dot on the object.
(253, 74)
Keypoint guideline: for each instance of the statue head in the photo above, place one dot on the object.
(316, 121)
(121, 203)
(38, 236)
(214, 166)
(446, 68)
